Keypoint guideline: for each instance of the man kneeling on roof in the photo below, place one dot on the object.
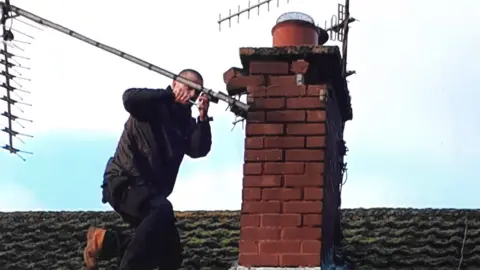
(141, 175)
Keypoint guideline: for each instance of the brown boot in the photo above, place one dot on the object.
(94, 244)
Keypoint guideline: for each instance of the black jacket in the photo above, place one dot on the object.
(157, 135)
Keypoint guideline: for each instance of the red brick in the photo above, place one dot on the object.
(315, 90)
(306, 180)
(282, 80)
(261, 207)
(302, 233)
(306, 129)
(269, 67)
(258, 260)
(314, 167)
(315, 141)
(286, 116)
(302, 155)
(254, 143)
(312, 220)
(262, 181)
(311, 246)
(281, 194)
(303, 207)
(284, 142)
(232, 73)
(312, 193)
(284, 168)
(285, 91)
(316, 116)
(241, 82)
(249, 194)
(299, 67)
(296, 260)
(305, 103)
(268, 103)
(264, 129)
(281, 220)
(249, 220)
(256, 91)
(256, 117)
(254, 234)
(252, 168)
(264, 155)
(279, 246)
(246, 246)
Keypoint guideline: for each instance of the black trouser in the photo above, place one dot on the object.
(155, 243)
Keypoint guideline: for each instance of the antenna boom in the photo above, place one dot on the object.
(237, 107)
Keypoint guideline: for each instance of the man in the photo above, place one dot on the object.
(141, 175)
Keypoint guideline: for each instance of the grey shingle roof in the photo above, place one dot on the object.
(374, 238)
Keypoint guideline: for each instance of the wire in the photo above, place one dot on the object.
(463, 243)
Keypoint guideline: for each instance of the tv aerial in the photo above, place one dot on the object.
(11, 83)
(336, 29)
(9, 62)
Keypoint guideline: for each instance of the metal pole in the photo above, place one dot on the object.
(7, 78)
(345, 37)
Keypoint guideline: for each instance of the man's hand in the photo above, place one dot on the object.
(203, 104)
(181, 96)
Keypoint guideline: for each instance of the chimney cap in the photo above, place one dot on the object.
(295, 16)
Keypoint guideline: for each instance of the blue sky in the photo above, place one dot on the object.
(413, 140)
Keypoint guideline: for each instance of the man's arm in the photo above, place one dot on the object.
(200, 141)
(140, 101)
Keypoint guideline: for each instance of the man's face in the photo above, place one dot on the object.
(187, 89)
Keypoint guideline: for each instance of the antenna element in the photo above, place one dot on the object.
(9, 64)
(246, 10)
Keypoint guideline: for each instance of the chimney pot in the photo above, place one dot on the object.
(297, 29)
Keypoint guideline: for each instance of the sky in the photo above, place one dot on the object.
(412, 141)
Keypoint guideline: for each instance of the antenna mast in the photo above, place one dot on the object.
(345, 20)
(338, 30)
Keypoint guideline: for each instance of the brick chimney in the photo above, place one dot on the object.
(294, 152)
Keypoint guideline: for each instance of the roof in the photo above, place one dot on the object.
(374, 238)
